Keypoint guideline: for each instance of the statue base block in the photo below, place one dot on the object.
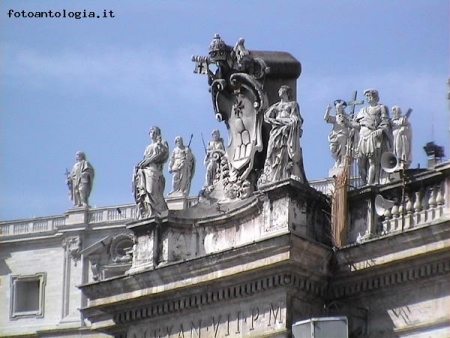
(177, 202)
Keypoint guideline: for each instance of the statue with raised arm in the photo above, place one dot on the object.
(214, 153)
(402, 133)
(375, 137)
(182, 167)
(148, 179)
(284, 154)
(341, 134)
(80, 181)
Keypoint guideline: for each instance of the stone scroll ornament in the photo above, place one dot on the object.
(243, 85)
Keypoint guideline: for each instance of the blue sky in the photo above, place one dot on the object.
(98, 85)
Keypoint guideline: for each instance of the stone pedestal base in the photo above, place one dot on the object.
(177, 202)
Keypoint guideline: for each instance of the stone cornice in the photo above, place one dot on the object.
(221, 295)
(292, 186)
(345, 287)
(394, 247)
(198, 298)
(31, 237)
(223, 213)
(443, 323)
(269, 254)
(199, 215)
(417, 254)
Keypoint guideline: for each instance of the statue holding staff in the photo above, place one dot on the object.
(182, 167)
(80, 181)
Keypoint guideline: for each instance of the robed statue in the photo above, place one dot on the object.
(284, 154)
(148, 178)
(182, 168)
(402, 133)
(80, 181)
(213, 156)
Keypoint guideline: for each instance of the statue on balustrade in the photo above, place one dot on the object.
(80, 181)
(148, 178)
(236, 81)
(284, 154)
(375, 138)
(213, 158)
(402, 136)
(243, 85)
(182, 167)
(342, 133)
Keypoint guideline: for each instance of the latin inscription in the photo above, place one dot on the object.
(262, 318)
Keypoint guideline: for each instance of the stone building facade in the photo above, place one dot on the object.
(43, 260)
(256, 269)
(259, 249)
(252, 269)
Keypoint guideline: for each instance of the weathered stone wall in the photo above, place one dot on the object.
(55, 247)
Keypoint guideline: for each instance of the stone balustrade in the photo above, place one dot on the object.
(36, 225)
(415, 208)
(113, 214)
(418, 199)
(110, 214)
(326, 186)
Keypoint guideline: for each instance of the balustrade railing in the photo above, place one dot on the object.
(127, 212)
(326, 186)
(412, 208)
(124, 213)
(30, 226)
(415, 208)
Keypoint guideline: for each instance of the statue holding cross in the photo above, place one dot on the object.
(342, 136)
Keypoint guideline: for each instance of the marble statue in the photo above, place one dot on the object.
(375, 138)
(182, 168)
(341, 134)
(80, 181)
(214, 153)
(284, 154)
(236, 79)
(243, 84)
(148, 178)
(402, 134)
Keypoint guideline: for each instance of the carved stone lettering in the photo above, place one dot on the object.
(237, 322)
(255, 316)
(275, 312)
(216, 325)
(254, 319)
(195, 330)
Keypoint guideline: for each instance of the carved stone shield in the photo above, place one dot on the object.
(242, 111)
